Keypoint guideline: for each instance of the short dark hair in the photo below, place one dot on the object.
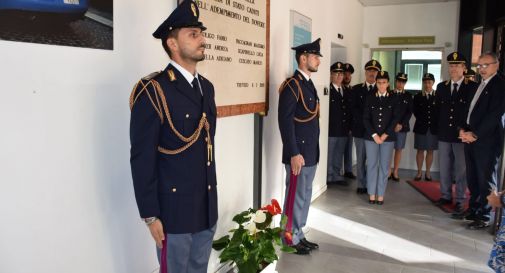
(298, 55)
(172, 34)
(490, 54)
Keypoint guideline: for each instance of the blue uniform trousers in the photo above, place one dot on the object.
(378, 159)
(348, 155)
(452, 165)
(336, 152)
(188, 252)
(303, 196)
(361, 162)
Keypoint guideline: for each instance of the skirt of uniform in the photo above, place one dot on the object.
(401, 138)
(426, 142)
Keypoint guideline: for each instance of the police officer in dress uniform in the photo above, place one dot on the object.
(358, 95)
(380, 117)
(348, 71)
(172, 127)
(452, 98)
(405, 105)
(339, 124)
(426, 126)
(299, 127)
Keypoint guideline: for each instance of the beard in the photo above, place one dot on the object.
(196, 55)
(312, 69)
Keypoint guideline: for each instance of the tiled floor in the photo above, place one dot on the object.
(406, 235)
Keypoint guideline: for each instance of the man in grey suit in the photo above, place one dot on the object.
(483, 138)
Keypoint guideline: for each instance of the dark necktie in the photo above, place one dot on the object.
(196, 87)
(340, 91)
(370, 87)
(311, 84)
(455, 89)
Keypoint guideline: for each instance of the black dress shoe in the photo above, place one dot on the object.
(349, 175)
(371, 201)
(478, 224)
(443, 201)
(301, 249)
(380, 203)
(459, 212)
(427, 178)
(418, 178)
(396, 179)
(309, 244)
(470, 215)
(389, 177)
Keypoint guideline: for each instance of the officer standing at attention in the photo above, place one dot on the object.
(452, 98)
(380, 118)
(172, 127)
(359, 93)
(405, 105)
(339, 124)
(348, 71)
(426, 126)
(299, 127)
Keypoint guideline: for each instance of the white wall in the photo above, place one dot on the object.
(432, 19)
(66, 198)
(329, 17)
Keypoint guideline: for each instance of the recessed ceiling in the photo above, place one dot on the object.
(368, 3)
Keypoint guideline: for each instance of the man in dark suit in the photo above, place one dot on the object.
(299, 126)
(358, 96)
(451, 98)
(483, 138)
(339, 124)
(172, 127)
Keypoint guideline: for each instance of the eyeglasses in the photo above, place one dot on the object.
(484, 66)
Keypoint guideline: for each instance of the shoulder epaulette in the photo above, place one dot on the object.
(287, 83)
(151, 76)
(147, 85)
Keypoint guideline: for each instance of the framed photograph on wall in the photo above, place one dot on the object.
(78, 23)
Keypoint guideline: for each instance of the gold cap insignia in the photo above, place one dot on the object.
(171, 75)
(455, 56)
(382, 73)
(347, 66)
(374, 62)
(193, 8)
(339, 65)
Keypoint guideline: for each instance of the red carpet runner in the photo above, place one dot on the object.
(431, 190)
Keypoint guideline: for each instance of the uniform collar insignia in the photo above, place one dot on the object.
(171, 75)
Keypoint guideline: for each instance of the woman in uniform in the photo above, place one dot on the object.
(425, 129)
(403, 127)
(380, 117)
